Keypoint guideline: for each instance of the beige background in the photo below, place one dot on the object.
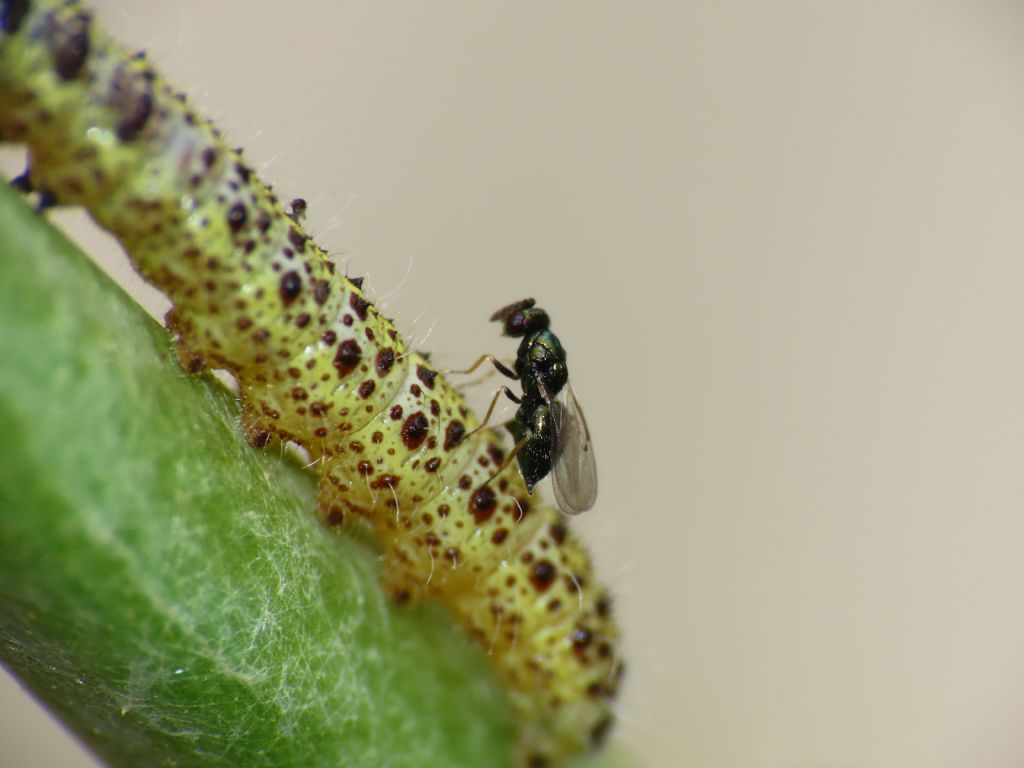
(784, 244)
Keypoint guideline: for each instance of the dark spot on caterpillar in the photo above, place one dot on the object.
(604, 606)
(581, 638)
(359, 305)
(12, 13)
(542, 574)
(558, 532)
(453, 434)
(366, 388)
(356, 281)
(329, 338)
(259, 438)
(443, 510)
(135, 117)
(299, 394)
(497, 455)
(72, 47)
(435, 408)
(414, 431)
(465, 483)
(385, 481)
(245, 173)
(263, 222)
(297, 239)
(385, 361)
(291, 287)
(334, 516)
(370, 337)
(194, 364)
(500, 535)
(237, 216)
(395, 413)
(482, 504)
(426, 375)
(415, 390)
(302, 320)
(365, 468)
(432, 465)
(209, 156)
(347, 357)
(321, 290)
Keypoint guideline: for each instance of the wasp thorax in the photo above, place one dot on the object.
(541, 364)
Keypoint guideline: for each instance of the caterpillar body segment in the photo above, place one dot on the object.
(317, 364)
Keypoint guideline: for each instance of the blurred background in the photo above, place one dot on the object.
(784, 246)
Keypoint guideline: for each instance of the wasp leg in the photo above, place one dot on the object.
(490, 409)
(508, 459)
(503, 369)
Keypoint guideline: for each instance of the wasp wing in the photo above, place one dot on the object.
(574, 470)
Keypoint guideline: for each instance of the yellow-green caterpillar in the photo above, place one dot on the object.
(316, 364)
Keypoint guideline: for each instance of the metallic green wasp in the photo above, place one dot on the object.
(551, 433)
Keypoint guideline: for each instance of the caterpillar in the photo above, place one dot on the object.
(317, 364)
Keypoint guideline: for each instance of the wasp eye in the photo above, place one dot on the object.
(515, 324)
